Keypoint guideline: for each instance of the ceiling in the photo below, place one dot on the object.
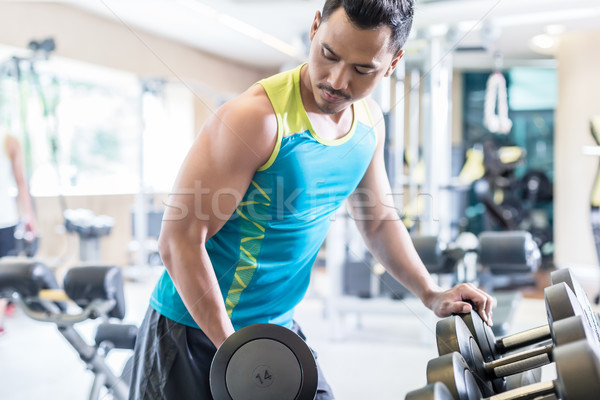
(273, 33)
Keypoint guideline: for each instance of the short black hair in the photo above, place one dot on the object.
(372, 14)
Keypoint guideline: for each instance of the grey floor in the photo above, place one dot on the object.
(380, 355)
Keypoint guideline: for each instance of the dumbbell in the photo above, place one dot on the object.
(565, 275)
(578, 378)
(453, 335)
(509, 252)
(490, 375)
(266, 362)
(493, 348)
(502, 252)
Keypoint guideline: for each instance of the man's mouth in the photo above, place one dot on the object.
(330, 97)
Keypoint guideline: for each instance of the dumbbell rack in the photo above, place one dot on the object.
(473, 364)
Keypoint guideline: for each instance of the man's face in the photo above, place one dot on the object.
(345, 62)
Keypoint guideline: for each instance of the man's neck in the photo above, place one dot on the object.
(327, 125)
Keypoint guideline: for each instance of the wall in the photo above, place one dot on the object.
(579, 98)
(88, 38)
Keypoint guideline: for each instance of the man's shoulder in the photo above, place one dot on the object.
(251, 108)
(256, 99)
(247, 121)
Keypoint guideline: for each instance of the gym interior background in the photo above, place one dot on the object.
(106, 97)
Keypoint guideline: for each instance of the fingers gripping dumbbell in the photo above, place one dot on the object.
(453, 335)
(578, 378)
(266, 362)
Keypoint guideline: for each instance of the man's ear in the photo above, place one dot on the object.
(394, 63)
(315, 25)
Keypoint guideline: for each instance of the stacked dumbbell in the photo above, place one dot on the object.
(473, 364)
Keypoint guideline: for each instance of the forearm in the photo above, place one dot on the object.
(192, 273)
(25, 202)
(391, 245)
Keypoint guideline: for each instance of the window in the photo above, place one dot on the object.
(83, 127)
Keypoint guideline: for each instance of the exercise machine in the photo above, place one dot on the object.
(97, 293)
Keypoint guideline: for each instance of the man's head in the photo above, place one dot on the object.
(373, 14)
(354, 44)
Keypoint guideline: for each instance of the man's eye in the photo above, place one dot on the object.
(328, 55)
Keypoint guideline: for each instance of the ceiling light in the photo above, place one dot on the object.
(543, 43)
(242, 27)
(255, 33)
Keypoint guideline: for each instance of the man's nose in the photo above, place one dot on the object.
(339, 77)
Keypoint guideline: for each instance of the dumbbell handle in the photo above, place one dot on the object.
(523, 339)
(529, 392)
(520, 362)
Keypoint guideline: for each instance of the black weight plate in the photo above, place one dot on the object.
(578, 371)
(482, 334)
(493, 348)
(263, 369)
(454, 335)
(263, 361)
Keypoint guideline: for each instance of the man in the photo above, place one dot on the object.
(252, 203)
(11, 174)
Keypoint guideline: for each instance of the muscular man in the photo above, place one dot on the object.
(253, 200)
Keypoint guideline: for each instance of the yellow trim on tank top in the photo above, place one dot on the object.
(275, 152)
(306, 120)
(362, 114)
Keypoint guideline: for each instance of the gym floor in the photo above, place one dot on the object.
(379, 355)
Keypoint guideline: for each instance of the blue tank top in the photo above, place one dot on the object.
(264, 253)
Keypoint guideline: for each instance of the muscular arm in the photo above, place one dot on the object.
(23, 197)
(213, 179)
(372, 206)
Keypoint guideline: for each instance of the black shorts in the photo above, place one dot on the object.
(172, 361)
(8, 243)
